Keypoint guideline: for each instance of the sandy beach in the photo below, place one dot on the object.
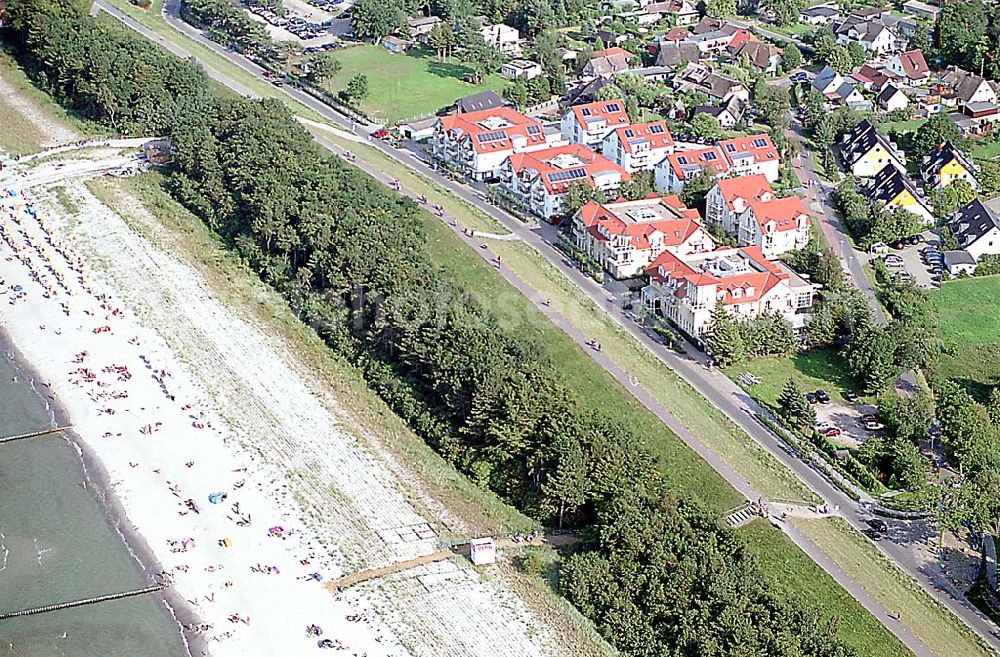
(226, 457)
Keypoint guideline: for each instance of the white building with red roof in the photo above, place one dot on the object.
(742, 156)
(625, 236)
(537, 180)
(589, 124)
(747, 209)
(639, 146)
(479, 142)
(686, 289)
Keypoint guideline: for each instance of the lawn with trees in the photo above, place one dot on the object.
(404, 85)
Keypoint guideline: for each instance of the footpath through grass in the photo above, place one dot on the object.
(406, 85)
(938, 628)
(793, 574)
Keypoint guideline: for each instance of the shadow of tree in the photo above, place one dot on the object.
(448, 69)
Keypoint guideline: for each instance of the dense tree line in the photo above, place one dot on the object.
(351, 259)
(229, 24)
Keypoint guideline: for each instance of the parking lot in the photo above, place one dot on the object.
(847, 418)
(911, 261)
(314, 25)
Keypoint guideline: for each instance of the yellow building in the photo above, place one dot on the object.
(866, 152)
(945, 165)
(891, 187)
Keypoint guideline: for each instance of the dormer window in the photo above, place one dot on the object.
(737, 293)
(750, 291)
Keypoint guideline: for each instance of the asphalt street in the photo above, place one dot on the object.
(716, 387)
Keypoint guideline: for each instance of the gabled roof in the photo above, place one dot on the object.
(688, 163)
(784, 213)
(914, 65)
(483, 100)
(672, 54)
(653, 135)
(760, 54)
(561, 166)
(614, 51)
(748, 188)
(494, 130)
(963, 84)
(972, 222)
(888, 184)
(640, 220)
(888, 91)
(612, 112)
(861, 140)
(709, 24)
(943, 155)
(823, 11)
(742, 37)
(759, 147)
(608, 64)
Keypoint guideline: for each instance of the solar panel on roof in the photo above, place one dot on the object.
(760, 143)
(682, 160)
(709, 156)
(571, 174)
(487, 137)
(656, 129)
(731, 148)
(533, 129)
(629, 133)
(612, 107)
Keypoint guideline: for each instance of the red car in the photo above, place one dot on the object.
(381, 133)
(830, 432)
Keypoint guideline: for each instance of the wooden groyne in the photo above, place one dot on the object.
(81, 603)
(35, 434)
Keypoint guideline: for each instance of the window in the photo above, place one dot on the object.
(629, 133)
(731, 148)
(534, 129)
(585, 111)
(682, 160)
(710, 156)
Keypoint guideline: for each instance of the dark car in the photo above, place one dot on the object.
(872, 534)
(901, 244)
(913, 240)
(878, 525)
(850, 395)
(822, 397)
(811, 397)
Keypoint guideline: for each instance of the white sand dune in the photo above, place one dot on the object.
(247, 419)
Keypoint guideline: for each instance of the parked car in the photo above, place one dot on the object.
(830, 432)
(874, 426)
(878, 525)
(811, 397)
(872, 534)
(801, 76)
(822, 397)
(868, 417)
(381, 133)
(879, 248)
(850, 395)
(913, 240)
(893, 260)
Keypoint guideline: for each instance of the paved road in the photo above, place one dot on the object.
(716, 387)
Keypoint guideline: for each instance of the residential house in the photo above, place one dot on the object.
(728, 114)
(871, 78)
(625, 236)
(866, 152)
(819, 15)
(742, 156)
(608, 62)
(683, 11)
(945, 165)
(711, 24)
(764, 57)
(586, 92)
(715, 85)
(871, 33)
(537, 180)
(893, 188)
(836, 89)
(483, 100)
(921, 9)
(712, 43)
(891, 98)
(520, 69)
(686, 289)
(503, 37)
(962, 88)
(395, 44)
(747, 209)
(910, 66)
(421, 26)
(672, 53)
(653, 73)
(589, 124)
(977, 229)
(639, 146)
(479, 142)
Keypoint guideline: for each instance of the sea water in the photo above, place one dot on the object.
(58, 542)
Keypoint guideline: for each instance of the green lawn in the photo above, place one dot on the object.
(406, 85)
(970, 310)
(791, 573)
(938, 628)
(903, 126)
(795, 29)
(817, 368)
(986, 150)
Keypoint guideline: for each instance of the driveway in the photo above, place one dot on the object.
(847, 418)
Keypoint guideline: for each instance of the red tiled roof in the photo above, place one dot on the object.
(758, 145)
(675, 230)
(740, 37)
(656, 133)
(488, 138)
(612, 111)
(914, 65)
(704, 158)
(677, 34)
(783, 212)
(577, 158)
(748, 188)
(615, 50)
(762, 282)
